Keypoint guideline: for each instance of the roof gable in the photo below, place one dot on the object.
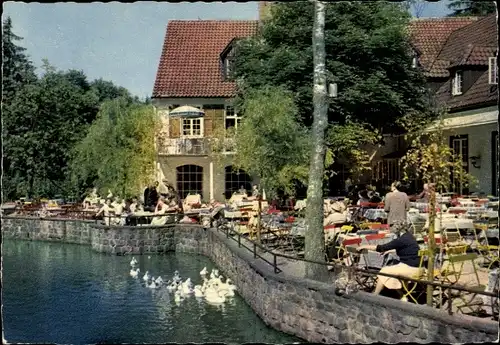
(429, 35)
(470, 45)
(190, 60)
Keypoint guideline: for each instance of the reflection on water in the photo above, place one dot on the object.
(65, 293)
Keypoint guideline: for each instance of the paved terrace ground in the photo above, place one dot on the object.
(296, 268)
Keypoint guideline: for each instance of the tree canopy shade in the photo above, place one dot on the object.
(471, 8)
(270, 142)
(368, 55)
(118, 152)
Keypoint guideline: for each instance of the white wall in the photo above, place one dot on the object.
(479, 145)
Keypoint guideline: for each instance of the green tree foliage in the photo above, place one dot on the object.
(270, 142)
(17, 69)
(45, 121)
(118, 152)
(42, 119)
(348, 143)
(471, 8)
(368, 54)
(17, 72)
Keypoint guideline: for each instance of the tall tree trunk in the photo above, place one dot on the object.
(314, 236)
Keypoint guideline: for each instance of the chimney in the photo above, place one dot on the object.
(264, 10)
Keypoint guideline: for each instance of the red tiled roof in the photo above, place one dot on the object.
(430, 34)
(190, 61)
(471, 46)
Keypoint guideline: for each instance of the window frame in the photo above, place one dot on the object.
(191, 125)
(457, 83)
(462, 142)
(235, 116)
(492, 77)
(192, 175)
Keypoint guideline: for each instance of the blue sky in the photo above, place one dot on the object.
(116, 41)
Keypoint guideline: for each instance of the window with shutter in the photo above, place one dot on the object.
(174, 127)
(492, 71)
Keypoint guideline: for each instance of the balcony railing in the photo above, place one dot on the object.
(185, 146)
(192, 146)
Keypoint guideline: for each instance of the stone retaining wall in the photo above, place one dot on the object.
(305, 308)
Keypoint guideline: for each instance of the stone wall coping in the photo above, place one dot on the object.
(147, 227)
(55, 219)
(265, 270)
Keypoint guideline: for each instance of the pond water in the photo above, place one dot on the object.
(64, 293)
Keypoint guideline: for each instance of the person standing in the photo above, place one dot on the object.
(105, 209)
(396, 205)
(153, 196)
(146, 195)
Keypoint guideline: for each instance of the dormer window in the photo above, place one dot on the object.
(492, 71)
(414, 61)
(457, 83)
(227, 59)
(228, 64)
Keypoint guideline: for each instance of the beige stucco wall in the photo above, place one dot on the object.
(479, 145)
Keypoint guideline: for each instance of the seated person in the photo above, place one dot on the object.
(133, 206)
(192, 201)
(160, 209)
(374, 197)
(118, 208)
(363, 197)
(406, 248)
(336, 213)
(242, 190)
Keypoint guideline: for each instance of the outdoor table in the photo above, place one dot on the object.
(372, 259)
(375, 213)
(421, 206)
(234, 214)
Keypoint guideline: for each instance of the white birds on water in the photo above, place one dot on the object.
(213, 289)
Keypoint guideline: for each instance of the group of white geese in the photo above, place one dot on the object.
(213, 289)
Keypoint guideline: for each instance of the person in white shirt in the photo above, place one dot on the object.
(133, 206)
(105, 211)
(160, 209)
(118, 208)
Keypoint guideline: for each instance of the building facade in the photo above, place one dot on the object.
(457, 55)
(193, 69)
(458, 58)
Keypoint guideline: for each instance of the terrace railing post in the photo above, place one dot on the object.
(449, 301)
(254, 250)
(239, 239)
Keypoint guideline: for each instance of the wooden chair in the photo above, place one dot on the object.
(347, 255)
(489, 252)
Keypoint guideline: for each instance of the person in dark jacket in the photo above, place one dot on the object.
(406, 248)
(153, 196)
(146, 195)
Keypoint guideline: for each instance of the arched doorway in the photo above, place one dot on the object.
(189, 180)
(235, 179)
